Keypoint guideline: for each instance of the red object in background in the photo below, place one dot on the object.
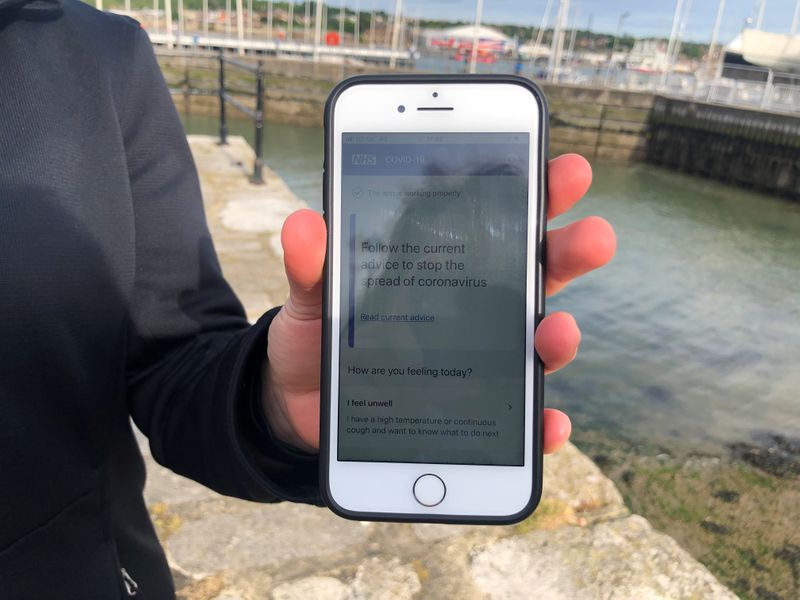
(440, 43)
(281, 35)
(465, 56)
(332, 38)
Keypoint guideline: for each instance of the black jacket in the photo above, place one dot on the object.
(112, 304)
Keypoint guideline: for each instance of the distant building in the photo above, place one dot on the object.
(460, 38)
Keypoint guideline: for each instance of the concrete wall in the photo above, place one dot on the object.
(747, 148)
(738, 146)
(598, 123)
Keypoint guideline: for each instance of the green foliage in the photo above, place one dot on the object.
(694, 51)
(736, 519)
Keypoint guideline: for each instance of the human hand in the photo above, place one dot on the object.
(291, 394)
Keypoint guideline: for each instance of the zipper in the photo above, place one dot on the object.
(130, 585)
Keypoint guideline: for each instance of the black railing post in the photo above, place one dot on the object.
(223, 125)
(259, 121)
(186, 84)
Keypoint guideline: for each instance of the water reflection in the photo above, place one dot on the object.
(692, 332)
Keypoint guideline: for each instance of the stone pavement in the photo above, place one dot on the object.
(582, 543)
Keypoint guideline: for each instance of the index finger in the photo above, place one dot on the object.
(568, 178)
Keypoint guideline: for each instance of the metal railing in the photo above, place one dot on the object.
(736, 85)
(191, 82)
(257, 114)
(753, 87)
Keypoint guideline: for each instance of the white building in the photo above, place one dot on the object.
(460, 38)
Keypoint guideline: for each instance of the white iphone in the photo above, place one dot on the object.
(431, 388)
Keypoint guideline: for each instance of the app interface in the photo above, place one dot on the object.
(433, 264)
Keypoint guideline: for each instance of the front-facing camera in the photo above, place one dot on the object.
(401, 108)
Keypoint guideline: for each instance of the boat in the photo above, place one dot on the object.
(757, 48)
(465, 55)
(647, 56)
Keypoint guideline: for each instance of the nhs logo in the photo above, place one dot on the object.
(364, 160)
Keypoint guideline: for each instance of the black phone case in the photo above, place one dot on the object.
(325, 396)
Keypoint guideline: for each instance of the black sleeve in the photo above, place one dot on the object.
(194, 363)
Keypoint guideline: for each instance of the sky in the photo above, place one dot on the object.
(647, 18)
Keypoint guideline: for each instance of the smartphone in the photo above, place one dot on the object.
(434, 199)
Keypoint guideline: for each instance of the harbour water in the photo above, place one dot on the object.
(691, 336)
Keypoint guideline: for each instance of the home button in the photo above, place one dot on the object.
(429, 489)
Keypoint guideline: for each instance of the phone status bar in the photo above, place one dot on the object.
(517, 137)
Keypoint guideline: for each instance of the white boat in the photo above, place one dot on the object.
(777, 51)
(647, 56)
(533, 50)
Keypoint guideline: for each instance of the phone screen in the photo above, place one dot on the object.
(433, 310)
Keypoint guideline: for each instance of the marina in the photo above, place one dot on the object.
(260, 47)
(743, 145)
(756, 68)
(181, 421)
(683, 392)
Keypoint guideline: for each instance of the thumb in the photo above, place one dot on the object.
(303, 238)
